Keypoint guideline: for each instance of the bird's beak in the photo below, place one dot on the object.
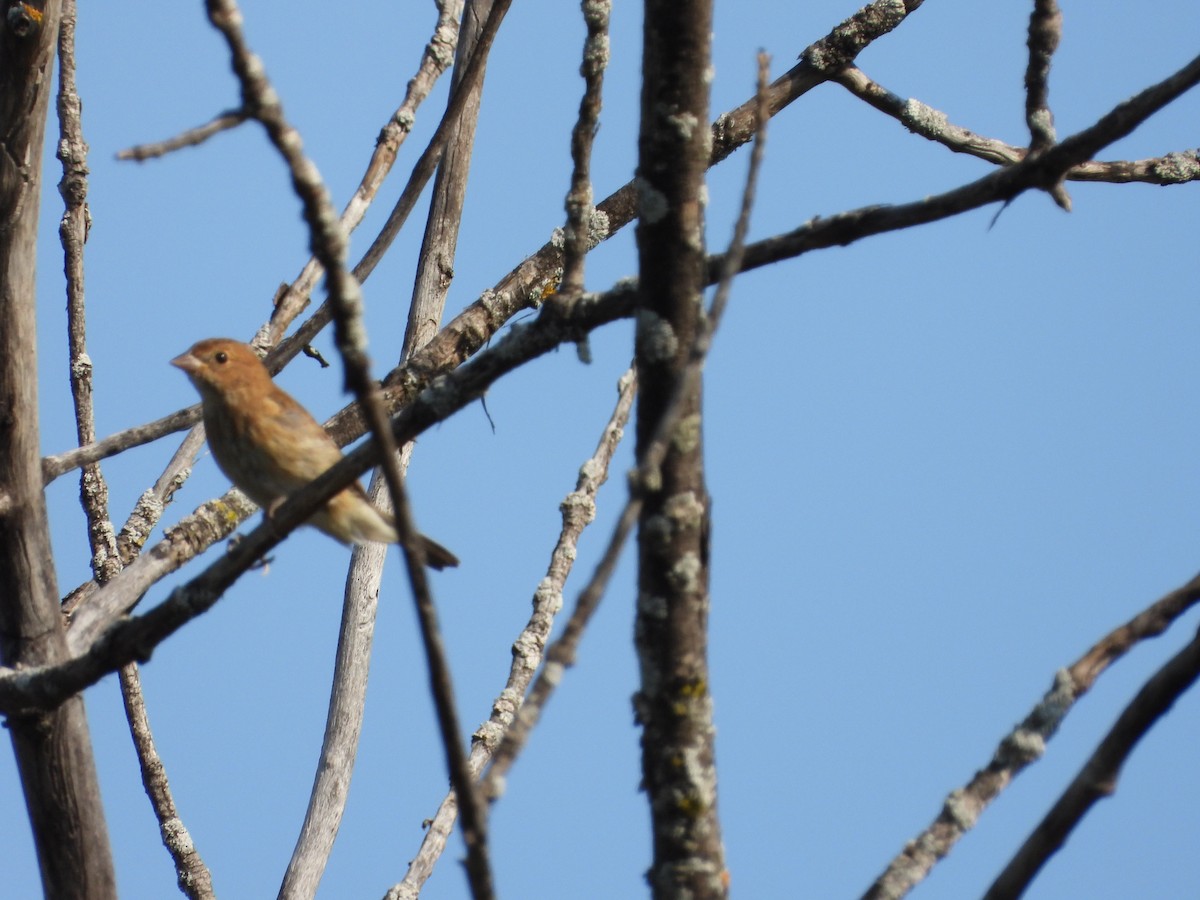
(187, 362)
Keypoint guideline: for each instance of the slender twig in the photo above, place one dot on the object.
(193, 137)
(72, 232)
(1045, 31)
(343, 723)
(61, 463)
(193, 875)
(1098, 777)
(577, 237)
(107, 560)
(934, 125)
(1035, 172)
(439, 51)
(578, 510)
(427, 163)
(1024, 744)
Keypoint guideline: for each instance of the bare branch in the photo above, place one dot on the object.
(435, 268)
(328, 243)
(439, 51)
(1036, 172)
(578, 233)
(193, 137)
(1023, 745)
(932, 124)
(578, 509)
(52, 749)
(73, 231)
(1045, 31)
(423, 170)
(673, 704)
(1098, 777)
(192, 874)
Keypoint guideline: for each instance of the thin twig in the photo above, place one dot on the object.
(193, 875)
(439, 51)
(1098, 777)
(73, 232)
(1045, 31)
(1024, 745)
(194, 879)
(577, 236)
(578, 510)
(934, 125)
(425, 165)
(1035, 172)
(193, 137)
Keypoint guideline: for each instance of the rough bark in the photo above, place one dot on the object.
(673, 703)
(53, 749)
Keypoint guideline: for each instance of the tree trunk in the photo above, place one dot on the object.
(52, 748)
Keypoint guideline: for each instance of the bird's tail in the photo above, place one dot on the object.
(353, 520)
(437, 556)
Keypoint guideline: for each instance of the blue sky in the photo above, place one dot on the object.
(943, 462)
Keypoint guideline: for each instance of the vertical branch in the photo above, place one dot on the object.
(578, 238)
(1045, 31)
(73, 232)
(53, 750)
(73, 229)
(673, 703)
(435, 265)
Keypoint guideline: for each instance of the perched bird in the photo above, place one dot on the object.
(270, 446)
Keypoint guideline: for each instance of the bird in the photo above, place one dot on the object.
(270, 446)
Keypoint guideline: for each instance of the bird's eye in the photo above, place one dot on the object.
(221, 356)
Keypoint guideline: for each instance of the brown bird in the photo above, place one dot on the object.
(269, 445)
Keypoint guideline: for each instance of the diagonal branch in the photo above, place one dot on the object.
(195, 880)
(193, 137)
(1024, 745)
(578, 509)
(934, 125)
(1098, 777)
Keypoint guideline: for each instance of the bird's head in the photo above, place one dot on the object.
(217, 365)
